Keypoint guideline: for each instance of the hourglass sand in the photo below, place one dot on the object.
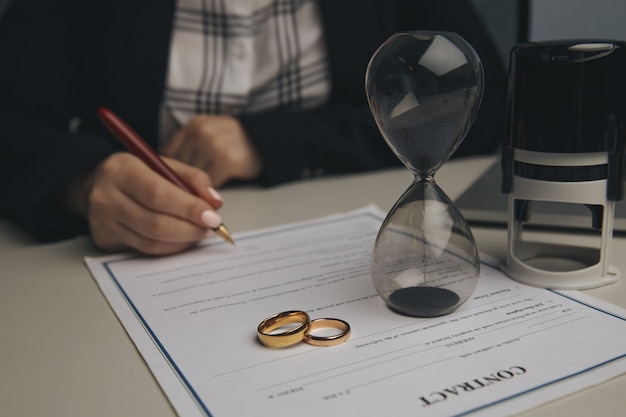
(424, 89)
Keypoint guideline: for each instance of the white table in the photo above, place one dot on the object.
(64, 353)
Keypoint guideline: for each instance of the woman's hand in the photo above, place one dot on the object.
(219, 146)
(129, 206)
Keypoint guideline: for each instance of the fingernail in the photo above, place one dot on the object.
(211, 219)
(215, 194)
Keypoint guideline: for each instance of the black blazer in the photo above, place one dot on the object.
(62, 59)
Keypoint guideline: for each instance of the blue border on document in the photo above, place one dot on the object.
(153, 335)
(555, 381)
(204, 407)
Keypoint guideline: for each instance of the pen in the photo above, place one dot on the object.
(138, 147)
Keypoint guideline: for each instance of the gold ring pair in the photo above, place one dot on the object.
(302, 331)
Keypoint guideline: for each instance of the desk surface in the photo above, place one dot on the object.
(64, 353)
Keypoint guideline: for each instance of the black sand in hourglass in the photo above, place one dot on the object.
(423, 301)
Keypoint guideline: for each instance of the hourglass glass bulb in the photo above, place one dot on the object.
(424, 90)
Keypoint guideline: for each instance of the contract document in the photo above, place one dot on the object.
(194, 317)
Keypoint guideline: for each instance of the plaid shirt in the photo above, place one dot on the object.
(245, 56)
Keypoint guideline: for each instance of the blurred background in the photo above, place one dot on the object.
(512, 21)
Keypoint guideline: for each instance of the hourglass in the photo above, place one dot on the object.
(424, 89)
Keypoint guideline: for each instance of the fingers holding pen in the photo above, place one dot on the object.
(191, 206)
(153, 200)
(131, 205)
(162, 197)
(199, 181)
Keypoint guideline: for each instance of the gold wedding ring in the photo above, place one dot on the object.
(332, 340)
(288, 337)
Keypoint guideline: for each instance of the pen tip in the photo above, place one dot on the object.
(224, 233)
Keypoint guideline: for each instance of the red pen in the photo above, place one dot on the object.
(138, 147)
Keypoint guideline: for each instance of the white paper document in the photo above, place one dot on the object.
(194, 317)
